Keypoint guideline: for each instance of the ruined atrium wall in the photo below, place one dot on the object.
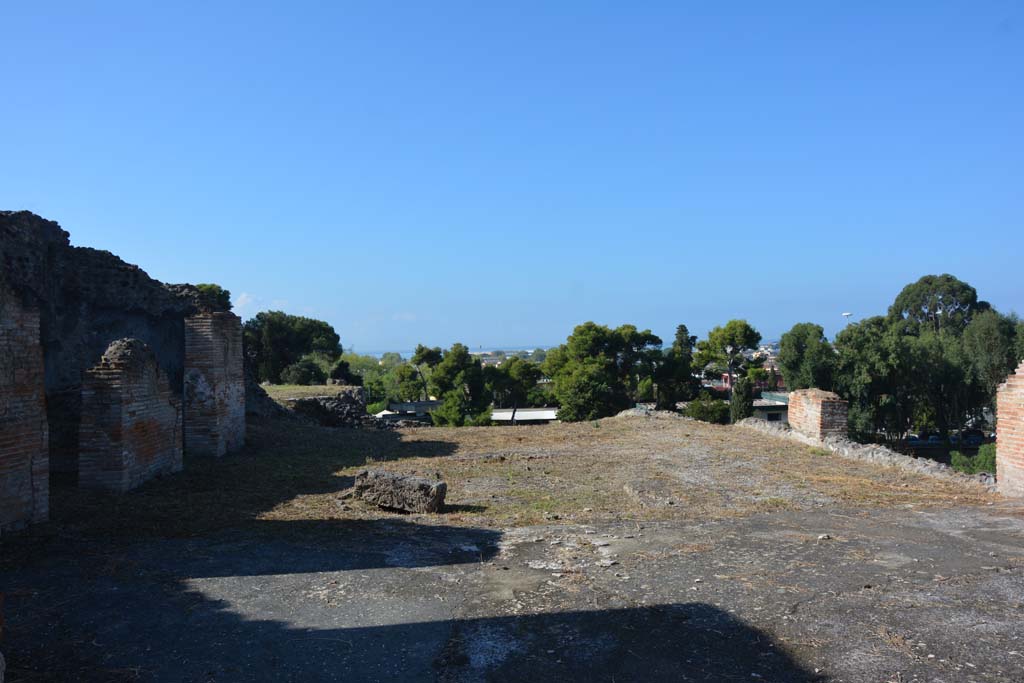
(214, 384)
(87, 299)
(818, 414)
(24, 468)
(1010, 435)
(131, 420)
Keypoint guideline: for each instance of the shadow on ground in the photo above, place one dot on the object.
(187, 637)
(275, 467)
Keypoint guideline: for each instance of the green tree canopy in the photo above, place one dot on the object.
(276, 340)
(726, 345)
(741, 403)
(598, 371)
(938, 302)
(459, 380)
(806, 358)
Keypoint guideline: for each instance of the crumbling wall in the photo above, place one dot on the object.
(131, 420)
(24, 456)
(818, 414)
(1010, 435)
(87, 299)
(214, 384)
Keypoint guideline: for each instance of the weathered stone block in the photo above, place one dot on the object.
(131, 420)
(818, 414)
(24, 435)
(400, 492)
(1010, 435)
(214, 384)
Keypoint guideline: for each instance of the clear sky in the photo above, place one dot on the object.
(495, 173)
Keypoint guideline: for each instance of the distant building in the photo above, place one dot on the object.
(411, 410)
(770, 410)
(524, 415)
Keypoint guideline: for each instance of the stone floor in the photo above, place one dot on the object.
(830, 595)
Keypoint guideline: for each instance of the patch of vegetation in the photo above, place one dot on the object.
(706, 408)
(214, 297)
(984, 461)
(305, 372)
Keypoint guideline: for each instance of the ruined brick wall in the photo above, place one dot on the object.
(214, 384)
(131, 420)
(24, 454)
(817, 413)
(1010, 435)
(87, 299)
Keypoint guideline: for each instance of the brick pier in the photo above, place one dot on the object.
(131, 420)
(214, 384)
(818, 414)
(1010, 435)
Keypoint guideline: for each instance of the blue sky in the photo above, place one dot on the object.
(444, 172)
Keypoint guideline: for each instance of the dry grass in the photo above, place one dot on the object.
(283, 392)
(505, 476)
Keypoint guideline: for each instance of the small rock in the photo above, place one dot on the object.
(606, 563)
(824, 537)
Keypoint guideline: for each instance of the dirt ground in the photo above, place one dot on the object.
(633, 548)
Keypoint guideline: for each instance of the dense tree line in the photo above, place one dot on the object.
(932, 363)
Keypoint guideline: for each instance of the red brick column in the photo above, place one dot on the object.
(818, 414)
(131, 420)
(1010, 435)
(24, 435)
(214, 384)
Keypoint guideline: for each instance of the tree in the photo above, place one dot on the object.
(1019, 344)
(806, 358)
(598, 370)
(674, 378)
(989, 345)
(276, 340)
(938, 302)
(512, 383)
(741, 403)
(587, 391)
(726, 346)
(874, 371)
(425, 357)
(342, 372)
(304, 372)
(459, 379)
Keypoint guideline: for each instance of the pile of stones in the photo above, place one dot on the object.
(345, 407)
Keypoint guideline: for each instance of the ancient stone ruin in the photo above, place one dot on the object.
(69, 399)
(131, 420)
(214, 384)
(24, 435)
(1010, 434)
(400, 492)
(817, 414)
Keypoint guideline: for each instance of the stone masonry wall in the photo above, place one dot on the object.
(1010, 435)
(818, 414)
(214, 384)
(87, 299)
(24, 453)
(131, 420)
